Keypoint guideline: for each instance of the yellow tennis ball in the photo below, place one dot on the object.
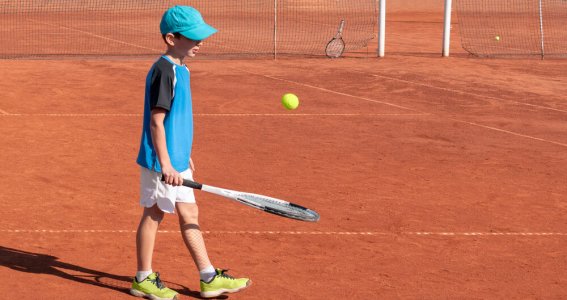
(290, 101)
(497, 38)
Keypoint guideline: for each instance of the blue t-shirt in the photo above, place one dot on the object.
(168, 87)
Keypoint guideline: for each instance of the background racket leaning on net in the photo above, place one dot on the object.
(265, 203)
(336, 46)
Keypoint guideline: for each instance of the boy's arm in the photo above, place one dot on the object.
(158, 137)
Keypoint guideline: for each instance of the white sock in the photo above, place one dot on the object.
(207, 273)
(141, 275)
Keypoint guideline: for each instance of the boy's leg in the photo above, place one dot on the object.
(147, 283)
(146, 236)
(214, 282)
(191, 232)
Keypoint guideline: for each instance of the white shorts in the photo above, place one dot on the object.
(153, 190)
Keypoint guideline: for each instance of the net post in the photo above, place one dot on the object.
(275, 29)
(541, 30)
(382, 28)
(447, 28)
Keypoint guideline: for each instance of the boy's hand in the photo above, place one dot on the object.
(171, 176)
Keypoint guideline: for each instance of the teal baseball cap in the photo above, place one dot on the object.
(187, 21)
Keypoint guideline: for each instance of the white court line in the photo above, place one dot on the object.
(334, 92)
(459, 91)
(423, 112)
(73, 115)
(330, 233)
(510, 132)
(308, 115)
(4, 112)
(96, 35)
(218, 115)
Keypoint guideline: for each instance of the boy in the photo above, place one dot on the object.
(165, 150)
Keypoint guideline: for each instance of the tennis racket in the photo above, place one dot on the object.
(261, 202)
(336, 46)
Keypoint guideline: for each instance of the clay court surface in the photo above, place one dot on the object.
(435, 178)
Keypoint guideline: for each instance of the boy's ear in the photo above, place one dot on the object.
(170, 39)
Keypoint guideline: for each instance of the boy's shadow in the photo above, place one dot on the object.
(46, 264)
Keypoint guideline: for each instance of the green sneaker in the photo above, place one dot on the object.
(152, 288)
(223, 283)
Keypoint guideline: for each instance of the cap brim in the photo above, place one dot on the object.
(199, 33)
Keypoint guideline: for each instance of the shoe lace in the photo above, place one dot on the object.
(157, 282)
(224, 275)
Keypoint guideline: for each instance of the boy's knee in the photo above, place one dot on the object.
(155, 213)
(188, 213)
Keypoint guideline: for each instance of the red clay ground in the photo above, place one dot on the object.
(435, 178)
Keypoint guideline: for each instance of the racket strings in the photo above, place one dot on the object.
(335, 48)
(281, 207)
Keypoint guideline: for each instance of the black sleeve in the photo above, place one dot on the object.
(161, 86)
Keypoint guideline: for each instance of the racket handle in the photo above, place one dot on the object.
(188, 183)
(192, 184)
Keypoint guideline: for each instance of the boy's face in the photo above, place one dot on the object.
(182, 46)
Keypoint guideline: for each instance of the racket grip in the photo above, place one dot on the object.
(188, 183)
(192, 184)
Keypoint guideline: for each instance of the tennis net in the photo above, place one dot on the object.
(513, 27)
(247, 28)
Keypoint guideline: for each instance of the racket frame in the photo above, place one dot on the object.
(338, 38)
(244, 198)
